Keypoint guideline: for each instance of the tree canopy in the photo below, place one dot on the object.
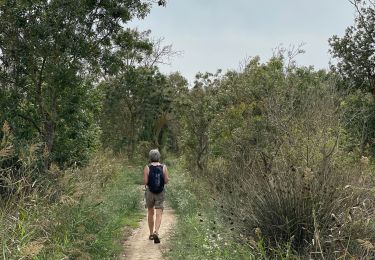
(52, 54)
(355, 51)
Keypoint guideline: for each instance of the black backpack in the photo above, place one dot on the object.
(156, 178)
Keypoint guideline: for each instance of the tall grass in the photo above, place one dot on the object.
(82, 215)
(302, 212)
(202, 232)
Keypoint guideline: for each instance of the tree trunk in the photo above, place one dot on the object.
(47, 122)
(48, 137)
(372, 87)
(132, 137)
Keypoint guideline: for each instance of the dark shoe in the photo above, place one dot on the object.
(156, 239)
(151, 237)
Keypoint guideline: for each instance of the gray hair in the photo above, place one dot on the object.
(154, 155)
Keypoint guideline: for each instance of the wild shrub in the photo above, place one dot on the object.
(20, 165)
(277, 159)
(80, 215)
(201, 232)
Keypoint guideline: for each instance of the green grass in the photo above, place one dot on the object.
(94, 229)
(88, 220)
(203, 232)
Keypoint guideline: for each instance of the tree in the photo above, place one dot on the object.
(177, 88)
(255, 135)
(134, 100)
(137, 97)
(355, 51)
(50, 52)
(198, 114)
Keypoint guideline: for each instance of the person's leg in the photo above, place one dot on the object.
(159, 199)
(150, 215)
(159, 213)
(150, 203)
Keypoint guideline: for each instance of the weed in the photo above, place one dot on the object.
(202, 233)
(82, 217)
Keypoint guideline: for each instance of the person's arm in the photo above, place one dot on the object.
(146, 170)
(165, 171)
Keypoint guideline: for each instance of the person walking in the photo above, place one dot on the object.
(155, 176)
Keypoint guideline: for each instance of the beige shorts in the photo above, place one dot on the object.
(154, 200)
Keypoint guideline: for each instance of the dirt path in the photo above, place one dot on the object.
(139, 247)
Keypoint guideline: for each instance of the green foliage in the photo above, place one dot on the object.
(276, 155)
(355, 55)
(139, 107)
(359, 122)
(355, 50)
(133, 101)
(85, 218)
(19, 165)
(197, 115)
(52, 54)
(276, 145)
(202, 233)
(78, 133)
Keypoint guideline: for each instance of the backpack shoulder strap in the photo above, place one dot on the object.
(150, 165)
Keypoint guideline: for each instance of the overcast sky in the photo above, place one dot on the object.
(215, 34)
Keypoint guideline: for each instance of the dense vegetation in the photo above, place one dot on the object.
(285, 151)
(81, 216)
(277, 156)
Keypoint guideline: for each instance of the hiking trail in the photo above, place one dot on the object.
(139, 247)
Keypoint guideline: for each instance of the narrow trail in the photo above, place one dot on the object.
(139, 247)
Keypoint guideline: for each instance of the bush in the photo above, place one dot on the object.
(20, 165)
(80, 216)
(201, 233)
(294, 181)
(278, 161)
(305, 210)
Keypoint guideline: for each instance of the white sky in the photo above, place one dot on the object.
(215, 34)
